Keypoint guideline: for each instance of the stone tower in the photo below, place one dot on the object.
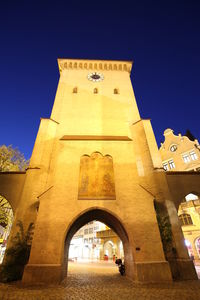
(96, 159)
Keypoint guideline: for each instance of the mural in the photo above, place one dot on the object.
(96, 180)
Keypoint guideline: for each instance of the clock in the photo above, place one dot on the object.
(95, 77)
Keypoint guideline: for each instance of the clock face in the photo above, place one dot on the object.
(95, 76)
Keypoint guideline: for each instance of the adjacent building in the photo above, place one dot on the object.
(182, 153)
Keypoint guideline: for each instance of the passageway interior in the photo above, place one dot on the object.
(94, 248)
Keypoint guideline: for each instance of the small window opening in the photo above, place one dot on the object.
(116, 91)
(75, 90)
(95, 91)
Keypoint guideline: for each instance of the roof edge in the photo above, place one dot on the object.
(94, 64)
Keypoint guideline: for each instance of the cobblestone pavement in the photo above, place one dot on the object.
(100, 282)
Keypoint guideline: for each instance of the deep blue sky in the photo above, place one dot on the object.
(161, 37)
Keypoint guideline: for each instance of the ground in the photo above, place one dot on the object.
(97, 281)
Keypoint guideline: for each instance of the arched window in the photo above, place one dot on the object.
(185, 219)
(116, 91)
(75, 90)
(95, 91)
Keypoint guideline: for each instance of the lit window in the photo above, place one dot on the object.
(185, 219)
(193, 155)
(171, 164)
(90, 240)
(191, 197)
(173, 148)
(85, 241)
(166, 167)
(96, 241)
(90, 230)
(186, 158)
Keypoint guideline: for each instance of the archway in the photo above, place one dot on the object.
(107, 218)
(108, 249)
(6, 220)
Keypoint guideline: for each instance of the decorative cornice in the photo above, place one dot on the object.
(87, 64)
(94, 138)
(182, 173)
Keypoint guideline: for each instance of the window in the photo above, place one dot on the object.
(191, 196)
(193, 155)
(90, 240)
(86, 231)
(173, 148)
(166, 167)
(75, 90)
(95, 91)
(85, 241)
(186, 158)
(97, 241)
(116, 91)
(185, 219)
(171, 164)
(90, 230)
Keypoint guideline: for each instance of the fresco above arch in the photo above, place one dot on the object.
(96, 179)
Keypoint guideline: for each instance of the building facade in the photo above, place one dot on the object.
(95, 241)
(85, 244)
(95, 158)
(180, 153)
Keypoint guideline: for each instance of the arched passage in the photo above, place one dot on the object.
(6, 220)
(107, 218)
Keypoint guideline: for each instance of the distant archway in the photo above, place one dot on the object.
(108, 249)
(105, 217)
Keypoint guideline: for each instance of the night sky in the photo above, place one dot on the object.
(161, 37)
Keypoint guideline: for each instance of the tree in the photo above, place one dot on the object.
(11, 159)
(5, 215)
(18, 254)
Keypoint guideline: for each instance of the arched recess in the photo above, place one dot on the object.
(108, 218)
(6, 221)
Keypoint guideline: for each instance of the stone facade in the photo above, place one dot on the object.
(180, 153)
(95, 115)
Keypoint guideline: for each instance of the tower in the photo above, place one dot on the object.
(96, 159)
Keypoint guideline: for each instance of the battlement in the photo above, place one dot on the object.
(108, 65)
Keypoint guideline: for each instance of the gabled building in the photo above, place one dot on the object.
(181, 153)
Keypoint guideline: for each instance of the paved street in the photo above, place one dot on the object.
(97, 281)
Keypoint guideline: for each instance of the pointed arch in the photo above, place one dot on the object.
(105, 216)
